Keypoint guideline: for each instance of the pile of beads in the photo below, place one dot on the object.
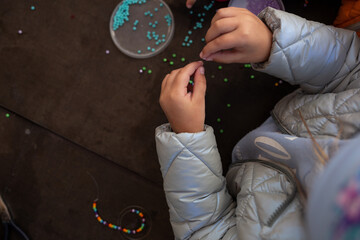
(115, 227)
(122, 13)
(168, 19)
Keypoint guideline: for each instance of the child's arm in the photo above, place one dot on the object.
(319, 58)
(199, 204)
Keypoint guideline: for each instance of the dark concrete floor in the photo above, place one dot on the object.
(75, 110)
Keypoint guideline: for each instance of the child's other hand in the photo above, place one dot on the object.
(237, 36)
(190, 3)
(184, 110)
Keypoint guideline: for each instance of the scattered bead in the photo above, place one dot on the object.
(203, 39)
(221, 131)
(218, 119)
(7, 115)
(165, 60)
(252, 76)
(141, 71)
(220, 67)
(276, 84)
(212, 76)
(144, 68)
(149, 71)
(226, 80)
(174, 55)
(139, 51)
(20, 32)
(228, 105)
(107, 51)
(183, 59)
(171, 63)
(32, 8)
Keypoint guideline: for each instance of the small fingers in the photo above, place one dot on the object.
(183, 76)
(223, 42)
(199, 89)
(228, 56)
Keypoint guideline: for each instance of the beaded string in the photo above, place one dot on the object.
(115, 227)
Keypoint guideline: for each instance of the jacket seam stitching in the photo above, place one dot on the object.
(198, 158)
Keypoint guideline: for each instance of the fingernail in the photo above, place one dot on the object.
(202, 70)
(208, 59)
(201, 55)
(188, 5)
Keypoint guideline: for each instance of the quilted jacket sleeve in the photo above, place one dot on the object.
(317, 57)
(199, 204)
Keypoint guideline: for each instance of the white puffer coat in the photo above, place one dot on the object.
(260, 199)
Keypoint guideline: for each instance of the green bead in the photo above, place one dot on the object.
(218, 120)
(171, 63)
(174, 55)
(252, 76)
(144, 68)
(219, 67)
(226, 80)
(183, 59)
(221, 131)
(165, 60)
(7, 115)
(149, 71)
(228, 105)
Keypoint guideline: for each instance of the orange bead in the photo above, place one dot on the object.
(141, 214)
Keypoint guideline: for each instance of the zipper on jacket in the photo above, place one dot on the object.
(279, 125)
(279, 210)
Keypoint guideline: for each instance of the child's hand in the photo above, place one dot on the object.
(190, 3)
(184, 110)
(237, 36)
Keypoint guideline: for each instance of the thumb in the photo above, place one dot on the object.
(227, 56)
(190, 3)
(199, 84)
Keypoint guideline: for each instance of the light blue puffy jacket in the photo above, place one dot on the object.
(260, 199)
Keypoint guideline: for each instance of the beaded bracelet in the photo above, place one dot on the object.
(115, 227)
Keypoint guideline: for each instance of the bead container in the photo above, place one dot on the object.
(142, 28)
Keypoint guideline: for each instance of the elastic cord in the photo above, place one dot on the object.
(19, 230)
